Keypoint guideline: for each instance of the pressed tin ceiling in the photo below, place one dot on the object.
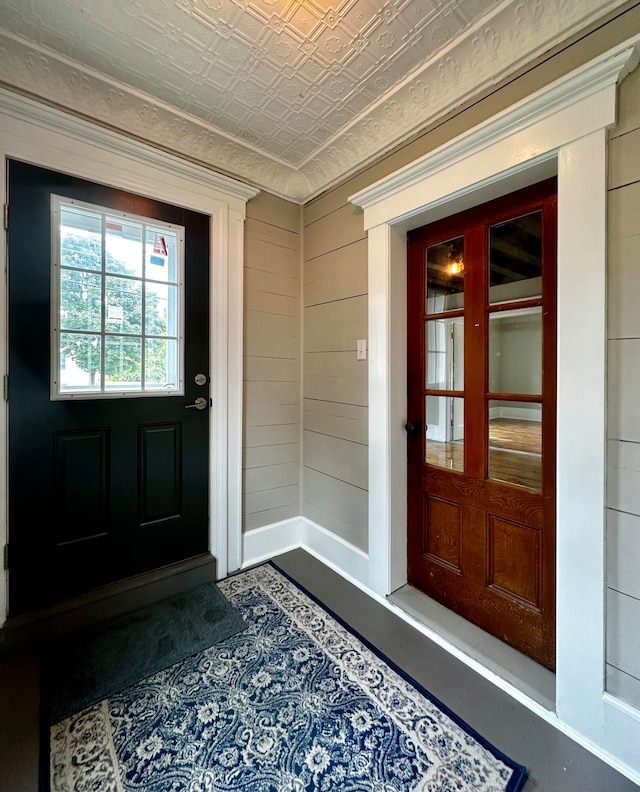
(289, 95)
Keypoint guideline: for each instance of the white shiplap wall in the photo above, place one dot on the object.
(623, 489)
(335, 459)
(271, 458)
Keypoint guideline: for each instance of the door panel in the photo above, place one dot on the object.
(481, 382)
(99, 489)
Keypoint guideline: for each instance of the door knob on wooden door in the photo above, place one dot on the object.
(412, 427)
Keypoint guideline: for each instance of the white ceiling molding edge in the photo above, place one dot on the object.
(515, 33)
(585, 81)
(53, 119)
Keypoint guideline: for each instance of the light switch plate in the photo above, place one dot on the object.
(361, 349)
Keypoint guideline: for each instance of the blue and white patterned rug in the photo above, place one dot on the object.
(295, 702)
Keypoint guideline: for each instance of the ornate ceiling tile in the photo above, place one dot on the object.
(291, 95)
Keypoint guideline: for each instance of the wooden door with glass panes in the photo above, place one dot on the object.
(481, 407)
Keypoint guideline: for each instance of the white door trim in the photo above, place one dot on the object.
(44, 136)
(560, 129)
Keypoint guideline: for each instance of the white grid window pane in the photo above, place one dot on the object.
(80, 300)
(123, 247)
(123, 363)
(80, 362)
(80, 238)
(124, 305)
(161, 256)
(116, 303)
(161, 356)
(160, 311)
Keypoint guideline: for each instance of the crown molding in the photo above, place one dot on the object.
(23, 108)
(602, 72)
(514, 33)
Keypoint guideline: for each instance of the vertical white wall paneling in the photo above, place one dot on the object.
(388, 403)
(235, 351)
(220, 506)
(226, 497)
(397, 439)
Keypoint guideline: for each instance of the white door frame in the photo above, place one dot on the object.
(43, 136)
(562, 129)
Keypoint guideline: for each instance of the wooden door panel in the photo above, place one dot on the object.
(443, 532)
(81, 492)
(507, 502)
(513, 560)
(481, 502)
(491, 607)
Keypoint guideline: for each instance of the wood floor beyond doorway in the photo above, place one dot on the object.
(515, 452)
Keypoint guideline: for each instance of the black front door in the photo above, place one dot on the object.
(100, 488)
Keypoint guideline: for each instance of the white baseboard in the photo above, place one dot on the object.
(261, 544)
(341, 556)
(516, 413)
(299, 532)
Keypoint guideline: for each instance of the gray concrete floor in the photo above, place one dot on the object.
(554, 762)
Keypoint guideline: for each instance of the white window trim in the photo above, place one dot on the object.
(44, 136)
(560, 129)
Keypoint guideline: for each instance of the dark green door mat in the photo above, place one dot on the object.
(92, 664)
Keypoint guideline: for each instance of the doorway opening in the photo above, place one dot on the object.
(481, 367)
(561, 129)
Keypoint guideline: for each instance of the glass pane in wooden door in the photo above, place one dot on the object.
(515, 351)
(515, 259)
(445, 276)
(445, 432)
(445, 354)
(515, 443)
